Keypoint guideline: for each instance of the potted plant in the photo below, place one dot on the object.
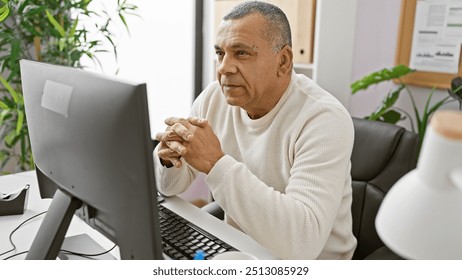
(388, 112)
(53, 31)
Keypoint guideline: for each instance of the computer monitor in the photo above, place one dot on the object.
(90, 139)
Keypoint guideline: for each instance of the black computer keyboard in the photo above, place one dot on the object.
(182, 239)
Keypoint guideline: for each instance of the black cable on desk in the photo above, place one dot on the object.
(88, 255)
(14, 230)
(17, 254)
(64, 251)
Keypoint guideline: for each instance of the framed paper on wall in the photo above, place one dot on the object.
(429, 41)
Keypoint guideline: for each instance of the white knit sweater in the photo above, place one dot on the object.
(285, 179)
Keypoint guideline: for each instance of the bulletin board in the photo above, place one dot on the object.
(404, 49)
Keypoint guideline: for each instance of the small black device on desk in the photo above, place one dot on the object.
(14, 203)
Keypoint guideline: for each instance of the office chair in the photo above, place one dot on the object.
(382, 154)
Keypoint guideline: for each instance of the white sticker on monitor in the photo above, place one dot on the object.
(56, 97)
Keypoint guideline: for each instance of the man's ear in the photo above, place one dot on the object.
(285, 61)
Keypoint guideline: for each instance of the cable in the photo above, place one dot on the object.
(64, 251)
(14, 230)
(17, 254)
(88, 255)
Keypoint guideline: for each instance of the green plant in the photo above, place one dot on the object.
(53, 31)
(388, 112)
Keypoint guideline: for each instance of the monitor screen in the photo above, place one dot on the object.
(91, 141)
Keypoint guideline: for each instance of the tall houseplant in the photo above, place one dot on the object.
(388, 112)
(49, 31)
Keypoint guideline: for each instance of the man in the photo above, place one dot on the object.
(275, 146)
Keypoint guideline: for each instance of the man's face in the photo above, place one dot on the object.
(247, 65)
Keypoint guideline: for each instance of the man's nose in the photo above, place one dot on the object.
(227, 65)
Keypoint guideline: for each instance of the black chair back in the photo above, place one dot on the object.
(382, 154)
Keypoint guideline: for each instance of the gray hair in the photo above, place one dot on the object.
(277, 29)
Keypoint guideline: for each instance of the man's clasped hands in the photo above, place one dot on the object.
(190, 139)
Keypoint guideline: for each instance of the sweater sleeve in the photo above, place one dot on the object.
(172, 181)
(297, 223)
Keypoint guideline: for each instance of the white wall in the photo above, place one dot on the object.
(374, 49)
(333, 46)
(160, 52)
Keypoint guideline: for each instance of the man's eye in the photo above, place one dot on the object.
(220, 54)
(241, 53)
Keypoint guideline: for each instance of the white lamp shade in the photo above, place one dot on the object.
(421, 216)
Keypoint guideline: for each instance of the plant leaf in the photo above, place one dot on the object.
(10, 89)
(380, 76)
(10, 138)
(61, 44)
(425, 111)
(456, 90)
(3, 105)
(391, 116)
(4, 10)
(23, 157)
(437, 106)
(20, 121)
(387, 103)
(122, 18)
(74, 27)
(3, 115)
(55, 23)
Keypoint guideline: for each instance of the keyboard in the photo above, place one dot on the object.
(182, 239)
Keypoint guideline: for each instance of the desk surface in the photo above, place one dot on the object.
(24, 236)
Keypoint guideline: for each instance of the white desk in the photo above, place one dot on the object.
(24, 236)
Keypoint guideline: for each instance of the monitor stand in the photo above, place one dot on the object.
(50, 236)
